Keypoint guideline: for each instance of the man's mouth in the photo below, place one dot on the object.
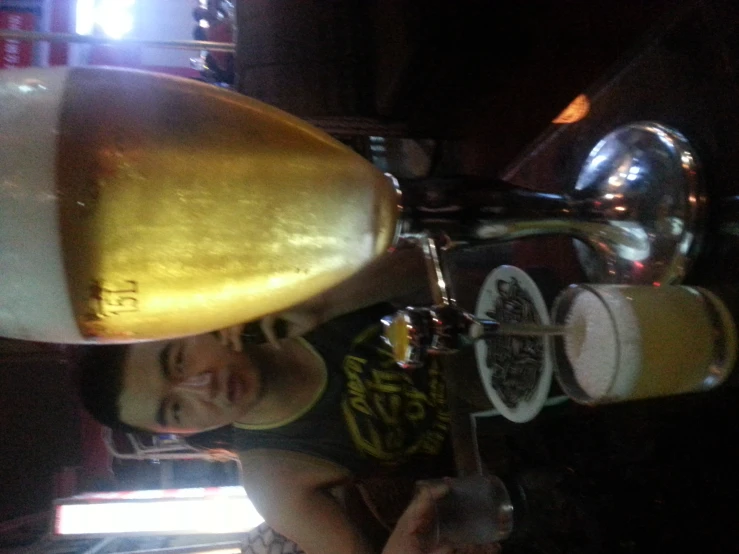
(235, 387)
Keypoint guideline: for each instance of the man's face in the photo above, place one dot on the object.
(186, 385)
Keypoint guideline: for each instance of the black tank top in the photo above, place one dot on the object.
(372, 417)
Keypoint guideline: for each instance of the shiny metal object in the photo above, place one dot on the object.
(440, 290)
(641, 191)
(443, 328)
(636, 209)
(415, 332)
(406, 332)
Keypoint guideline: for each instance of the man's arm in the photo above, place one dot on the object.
(291, 492)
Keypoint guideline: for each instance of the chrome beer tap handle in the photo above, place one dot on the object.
(442, 328)
(438, 279)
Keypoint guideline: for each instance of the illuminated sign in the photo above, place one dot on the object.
(221, 510)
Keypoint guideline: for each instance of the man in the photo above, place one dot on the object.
(306, 414)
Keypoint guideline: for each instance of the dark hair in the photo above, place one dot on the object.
(198, 33)
(101, 383)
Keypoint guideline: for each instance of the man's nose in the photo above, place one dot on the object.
(198, 382)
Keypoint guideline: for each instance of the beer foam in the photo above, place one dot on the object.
(33, 287)
(602, 343)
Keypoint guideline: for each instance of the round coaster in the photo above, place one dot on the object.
(516, 371)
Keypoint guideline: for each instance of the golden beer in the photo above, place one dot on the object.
(630, 342)
(678, 340)
(185, 208)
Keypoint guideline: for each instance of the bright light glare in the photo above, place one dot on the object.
(114, 17)
(616, 180)
(207, 512)
(85, 17)
(599, 159)
(633, 173)
(634, 244)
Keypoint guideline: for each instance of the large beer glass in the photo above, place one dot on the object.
(136, 206)
(629, 342)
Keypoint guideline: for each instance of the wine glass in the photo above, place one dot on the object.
(137, 206)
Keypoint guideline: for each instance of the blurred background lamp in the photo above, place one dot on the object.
(201, 511)
(114, 17)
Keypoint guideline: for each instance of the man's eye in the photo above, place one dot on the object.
(179, 362)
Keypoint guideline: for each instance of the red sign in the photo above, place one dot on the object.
(13, 52)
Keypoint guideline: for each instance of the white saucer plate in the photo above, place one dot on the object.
(516, 368)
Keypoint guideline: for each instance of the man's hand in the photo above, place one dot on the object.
(288, 324)
(298, 322)
(231, 337)
(414, 532)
